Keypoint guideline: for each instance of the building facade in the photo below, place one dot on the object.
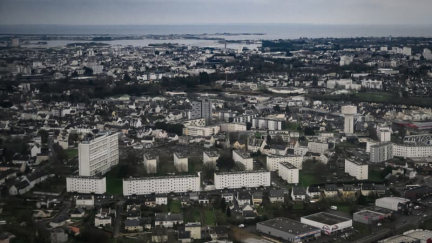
(162, 184)
(239, 179)
(273, 161)
(381, 152)
(86, 184)
(98, 155)
(243, 158)
(357, 169)
(289, 173)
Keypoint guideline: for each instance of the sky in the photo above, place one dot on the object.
(151, 12)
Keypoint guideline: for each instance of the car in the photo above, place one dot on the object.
(424, 216)
(241, 226)
(379, 224)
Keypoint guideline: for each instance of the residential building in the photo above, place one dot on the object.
(210, 158)
(357, 169)
(268, 124)
(86, 184)
(161, 184)
(318, 147)
(150, 163)
(243, 158)
(381, 152)
(181, 162)
(168, 220)
(239, 179)
(201, 109)
(412, 150)
(98, 155)
(200, 131)
(273, 161)
(288, 173)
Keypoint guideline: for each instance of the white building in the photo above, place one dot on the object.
(268, 124)
(98, 155)
(181, 162)
(289, 173)
(239, 179)
(232, 127)
(412, 150)
(345, 60)
(392, 203)
(372, 84)
(150, 163)
(243, 158)
(384, 134)
(328, 223)
(210, 158)
(318, 147)
(86, 184)
(161, 184)
(203, 131)
(349, 111)
(273, 161)
(86, 201)
(357, 169)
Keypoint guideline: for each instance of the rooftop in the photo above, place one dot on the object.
(288, 225)
(326, 218)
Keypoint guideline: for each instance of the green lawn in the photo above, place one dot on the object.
(175, 206)
(298, 206)
(208, 217)
(291, 126)
(375, 176)
(192, 214)
(307, 179)
(375, 97)
(114, 185)
(71, 153)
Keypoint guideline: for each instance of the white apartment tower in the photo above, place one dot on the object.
(289, 173)
(150, 163)
(98, 155)
(357, 169)
(181, 162)
(201, 109)
(349, 111)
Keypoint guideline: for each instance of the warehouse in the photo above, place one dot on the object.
(328, 223)
(287, 229)
(368, 217)
(397, 204)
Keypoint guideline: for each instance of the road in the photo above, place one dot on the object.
(118, 218)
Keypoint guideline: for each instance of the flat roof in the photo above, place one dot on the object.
(242, 154)
(357, 162)
(368, 213)
(158, 178)
(241, 172)
(288, 165)
(419, 234)
(285, 224)
(326, 218)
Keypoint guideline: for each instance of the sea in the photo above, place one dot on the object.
(226, 31)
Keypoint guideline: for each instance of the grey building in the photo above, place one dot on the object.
(381, 152)
(201, 109)
(287, 229)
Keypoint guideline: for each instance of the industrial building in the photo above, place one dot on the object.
(287, 229)
(328, 223)
(397, 204)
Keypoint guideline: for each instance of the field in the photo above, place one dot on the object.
(175, 206)
(208, 217)
(307, 179)
(71, 153)
(113, 183)
(291, 126)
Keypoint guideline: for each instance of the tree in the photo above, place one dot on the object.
(204, 78)
(126, 77)
(277, 108)
(88, 71)
(223, 204)
(361, 200)
(59, 153)
(287, 109)
(228, 212)
(225, 161)
(269, 139)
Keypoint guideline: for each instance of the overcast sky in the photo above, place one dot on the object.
(120, 12)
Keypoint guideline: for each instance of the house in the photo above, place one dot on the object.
(202, 199)
(42, 214)
(85, 201)
(348, 191)
(313, 192)
(19, 188)
(159, 234)
(370, 189)
(330, 190)
(146, 222)
(228, 196)
(243, 198)
(168, 220)
(257, 198)
(248, 212)
(298, 193)
(102, 220)
(277, 196)
(133, 225)
(77, 213)
(255, 145)
(57, 222)
(195, 230)
(133, 213)
(183, 235)
(161, 199)
(58, 235)
(219, 232)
